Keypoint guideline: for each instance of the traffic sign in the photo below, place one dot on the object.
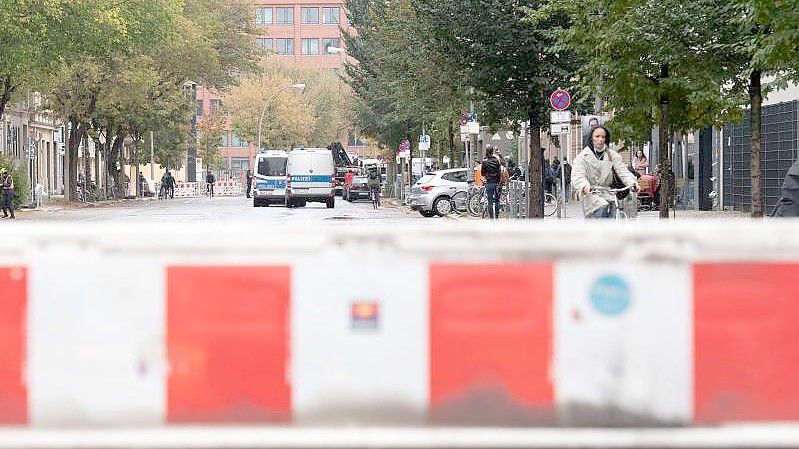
(560, 129)
(560, 117)
(405, 145)
(560, 100)
(465, 137)
(424, 142)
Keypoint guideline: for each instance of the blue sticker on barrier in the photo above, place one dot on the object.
(610, 295)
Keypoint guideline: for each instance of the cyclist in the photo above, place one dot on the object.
(210, 180)
(596, 166)
(373, 182)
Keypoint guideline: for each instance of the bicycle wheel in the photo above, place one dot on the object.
(460, 202)
(550, 205)
(474, 204)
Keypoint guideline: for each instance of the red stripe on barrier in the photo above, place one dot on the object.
(746, 318)
(228, 343)
(491, 343)
(13, 301)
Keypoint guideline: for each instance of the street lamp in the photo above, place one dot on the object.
(300, 86)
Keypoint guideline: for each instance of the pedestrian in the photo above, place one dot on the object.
(7, 183)
(478, 173)
(171, 183)
(555, 169)
(249, 183)
(491, 169)
(142, 184)
(546, 173)
(788, 204)
(640, 162)
(210, 180)
(567, 177)
(595, 166)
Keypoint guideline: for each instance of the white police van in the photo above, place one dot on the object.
(309, 177)
(269, 182)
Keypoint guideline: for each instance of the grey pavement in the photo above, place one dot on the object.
(223, 210)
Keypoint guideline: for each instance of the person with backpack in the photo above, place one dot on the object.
(491, 169)
(210, 180)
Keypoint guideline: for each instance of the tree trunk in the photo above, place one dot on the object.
(76, 130)
(87, 167)
(756, 120)
(6, 90)
(535, 200)
(663, 153)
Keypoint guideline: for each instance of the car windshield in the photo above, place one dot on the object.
(272, 166)
(425, 179)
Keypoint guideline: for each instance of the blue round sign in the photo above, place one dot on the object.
(610, 295)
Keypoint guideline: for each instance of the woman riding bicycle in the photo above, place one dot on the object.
(594, 168)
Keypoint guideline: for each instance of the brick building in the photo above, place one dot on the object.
(300, 31)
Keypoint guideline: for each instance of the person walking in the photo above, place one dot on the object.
(640, 162)
(249, 183)
(491, 169)
(567, 176)
(170, 183)
(555, 169)
(595, 166)
(7, 183)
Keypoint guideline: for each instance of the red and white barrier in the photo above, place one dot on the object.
(685, 324)
(187, 189)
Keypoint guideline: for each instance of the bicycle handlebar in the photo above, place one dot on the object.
(597, 189)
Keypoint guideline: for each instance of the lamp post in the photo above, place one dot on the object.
(266, 105)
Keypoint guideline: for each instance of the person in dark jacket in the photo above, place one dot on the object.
(491, 171)
(249, 182)
(788, 204)
(567, 175)
(7, 185)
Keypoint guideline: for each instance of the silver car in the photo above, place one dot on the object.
(431, 194)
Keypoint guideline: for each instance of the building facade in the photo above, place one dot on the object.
(299, 31)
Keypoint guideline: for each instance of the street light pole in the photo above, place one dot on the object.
(266, 105)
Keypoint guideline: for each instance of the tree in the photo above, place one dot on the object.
(210, 128)
(289, 117)
(654, 66)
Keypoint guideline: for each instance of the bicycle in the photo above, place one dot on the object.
(619, 213)
(209, 190)
(551, 204)
(476, 201)
(375, 194)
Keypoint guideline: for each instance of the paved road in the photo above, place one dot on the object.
(226, 209)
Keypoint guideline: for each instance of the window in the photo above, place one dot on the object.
(263, 16)
(284, 46)
(264, 42)
(310, 46)
(199, 108)
(272, 166)
(457, 176)
(285, 15)
(330, 42)
(310, 15)
(236, 142)
(215, 106)
(330, 15)
(226, 139)
(239, 164)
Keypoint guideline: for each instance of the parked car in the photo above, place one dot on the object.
(432, 192)
(357, 189)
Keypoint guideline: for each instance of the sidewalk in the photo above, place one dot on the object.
(574, 212)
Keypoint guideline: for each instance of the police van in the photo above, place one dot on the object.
(309, 177)
(269, 183)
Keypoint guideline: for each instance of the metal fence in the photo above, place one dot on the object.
(517, 199)
(780, 148)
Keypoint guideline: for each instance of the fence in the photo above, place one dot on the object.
(672, 324)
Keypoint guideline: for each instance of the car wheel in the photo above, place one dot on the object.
(442, 206)
(427, 213)
(289, 203)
